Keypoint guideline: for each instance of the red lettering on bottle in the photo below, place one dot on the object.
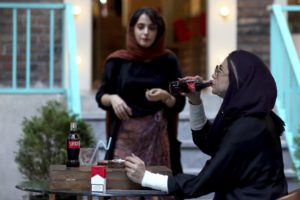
(191, 86)
(74, 144)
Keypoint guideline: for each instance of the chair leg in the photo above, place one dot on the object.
(51, 197)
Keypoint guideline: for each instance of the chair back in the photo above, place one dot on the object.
(293, 195)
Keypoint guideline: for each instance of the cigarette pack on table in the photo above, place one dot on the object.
(98, 178)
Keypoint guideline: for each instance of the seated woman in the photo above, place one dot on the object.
(243, 141)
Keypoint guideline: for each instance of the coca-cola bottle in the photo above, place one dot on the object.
(186, 86)
(73, 146)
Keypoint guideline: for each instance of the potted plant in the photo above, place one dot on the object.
(44, 140)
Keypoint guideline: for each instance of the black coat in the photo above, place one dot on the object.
(247, 165)
(130, 80)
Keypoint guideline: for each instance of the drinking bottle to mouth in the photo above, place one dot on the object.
(187, 86)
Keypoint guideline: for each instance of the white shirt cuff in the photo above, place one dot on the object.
(197, 117)
(155, 181)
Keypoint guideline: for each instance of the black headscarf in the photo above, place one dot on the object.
(252, 92)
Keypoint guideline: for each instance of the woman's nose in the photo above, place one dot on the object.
(146, 30)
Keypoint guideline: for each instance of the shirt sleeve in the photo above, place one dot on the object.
(155, 181)
(197, 117)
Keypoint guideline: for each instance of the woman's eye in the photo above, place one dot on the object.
(150, 27)
(153, 28)
(140, 26)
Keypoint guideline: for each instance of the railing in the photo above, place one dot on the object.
(285, 68)
(62, 77)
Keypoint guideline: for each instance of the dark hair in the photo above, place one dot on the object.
(154, 16)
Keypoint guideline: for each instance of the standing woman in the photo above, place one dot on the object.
(243, 141)
(141, 112)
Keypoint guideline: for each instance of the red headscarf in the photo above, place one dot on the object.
(134, 52)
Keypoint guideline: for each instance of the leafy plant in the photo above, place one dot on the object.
(44, 140)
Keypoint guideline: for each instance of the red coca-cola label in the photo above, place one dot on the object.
(191, 86)
(74, 144)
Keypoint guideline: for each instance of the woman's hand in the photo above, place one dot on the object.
(158, 94)
(194, 97)
(121, 109)
(135, 168)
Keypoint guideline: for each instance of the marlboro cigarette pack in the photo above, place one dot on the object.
(98, 178)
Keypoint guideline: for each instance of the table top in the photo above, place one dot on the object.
(43, 187)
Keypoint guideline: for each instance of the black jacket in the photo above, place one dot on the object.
(130, 80)
(247, 165)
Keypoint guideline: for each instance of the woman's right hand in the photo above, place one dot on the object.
(135, 168)
(121, 109)
(194, 97)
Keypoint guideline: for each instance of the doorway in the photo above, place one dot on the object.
(186, 31)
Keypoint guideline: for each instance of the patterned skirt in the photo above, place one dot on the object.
(145, 137)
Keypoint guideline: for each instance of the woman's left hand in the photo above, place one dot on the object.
(156, 94)
(135, 168)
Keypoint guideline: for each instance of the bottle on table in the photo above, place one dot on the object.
(73, 146)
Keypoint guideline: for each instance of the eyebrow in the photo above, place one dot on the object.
(142, 23)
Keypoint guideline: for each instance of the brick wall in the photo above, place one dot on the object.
(39, 59)
(253, 35)
(254, 27)
(191, 56)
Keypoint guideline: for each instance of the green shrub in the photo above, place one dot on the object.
(44, 140)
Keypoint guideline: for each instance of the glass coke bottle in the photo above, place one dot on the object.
(187, 86)
(73, 146)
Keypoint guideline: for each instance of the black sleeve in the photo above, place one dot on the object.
(172, 117)
(221, 172)
(109, 82)
(199, 138)
(174, 74)
(216, 174)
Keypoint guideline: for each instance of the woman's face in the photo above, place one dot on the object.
(220, 79)
(145, 31)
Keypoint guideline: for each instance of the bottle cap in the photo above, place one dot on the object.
(73, 126)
